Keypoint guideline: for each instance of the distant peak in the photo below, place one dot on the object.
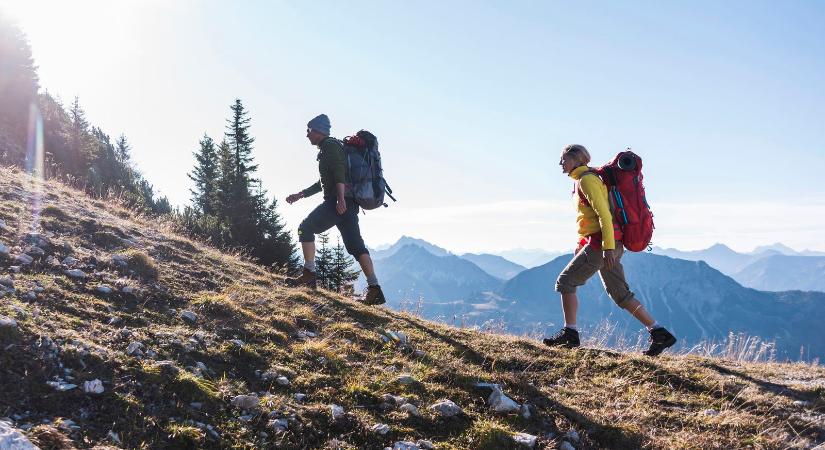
(719, 246)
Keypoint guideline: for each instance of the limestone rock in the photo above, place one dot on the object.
(282, 381)
(446, 408)
(93, 387)
(104, 289)
(566, 446)
(69, 261)
(501, 403)
(61, 385)
(336, 411)
(525, 439)
(405, 379)
(76, 273)
(398, 337)
(6, 322)
(245, 401)
(395, 400)
(410, 409)
(23, 259)
(572, 436)
(12, 439)
(279, 425)
(380, 428)
(189, 316)
(405, 445)
(134, 348)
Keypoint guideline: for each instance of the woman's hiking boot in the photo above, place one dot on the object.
(566, 337)
(660, 339)
(306, 279)
(375, 296)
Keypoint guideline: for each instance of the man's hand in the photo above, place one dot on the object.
(609, 259)
(294, 197)
(341, 206)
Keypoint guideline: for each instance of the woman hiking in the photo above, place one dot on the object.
(599, 250)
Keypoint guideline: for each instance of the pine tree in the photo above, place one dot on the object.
(277, 246)
(123, 150)
(226, 180)
(205, 175)
(104, 169)
(240, 142)
(123, 156)
(229, 205)
(342, 274)
(80, 141)
(324, 261)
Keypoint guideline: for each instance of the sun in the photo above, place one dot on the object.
(56, 27)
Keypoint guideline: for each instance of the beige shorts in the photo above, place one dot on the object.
(587, 262)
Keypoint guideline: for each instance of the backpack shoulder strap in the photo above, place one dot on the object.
(578, 186)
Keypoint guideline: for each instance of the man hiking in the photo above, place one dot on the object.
(599, 250)
(338, 209)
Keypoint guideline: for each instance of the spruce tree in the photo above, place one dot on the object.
(342, 274)
(80, 142)
(323, 261)
(240, 141)
(277, 246)
(229, 205)
(122, 150)
(205, 175)
(226, 180)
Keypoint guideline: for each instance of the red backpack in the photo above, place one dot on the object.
(626, 194)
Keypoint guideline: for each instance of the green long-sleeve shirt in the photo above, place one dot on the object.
(332, 164)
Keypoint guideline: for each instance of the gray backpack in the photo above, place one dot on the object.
(367, 184)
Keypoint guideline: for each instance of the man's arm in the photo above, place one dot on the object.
(312, 190)
(341, 205)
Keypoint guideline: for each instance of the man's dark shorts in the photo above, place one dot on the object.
(325, 217)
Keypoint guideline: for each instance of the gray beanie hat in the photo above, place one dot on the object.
(320, 124)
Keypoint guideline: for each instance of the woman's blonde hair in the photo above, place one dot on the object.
(579, 152)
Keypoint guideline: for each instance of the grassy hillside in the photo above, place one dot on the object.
(227, 375)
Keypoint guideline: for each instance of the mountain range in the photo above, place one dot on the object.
(495, 265)
(694, 299)
(773, 267)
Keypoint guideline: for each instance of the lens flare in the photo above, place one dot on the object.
(34, 165)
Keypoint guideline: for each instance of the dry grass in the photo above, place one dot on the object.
(611, 398)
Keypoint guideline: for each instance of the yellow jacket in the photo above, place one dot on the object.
(596, 217)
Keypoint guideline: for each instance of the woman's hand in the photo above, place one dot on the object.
(341, 206)
(609, 259)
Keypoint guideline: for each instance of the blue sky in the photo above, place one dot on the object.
(472, 102)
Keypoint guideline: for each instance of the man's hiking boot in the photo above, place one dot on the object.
(566, 337)
(375, 296)
(306, 279)
(660, 339)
